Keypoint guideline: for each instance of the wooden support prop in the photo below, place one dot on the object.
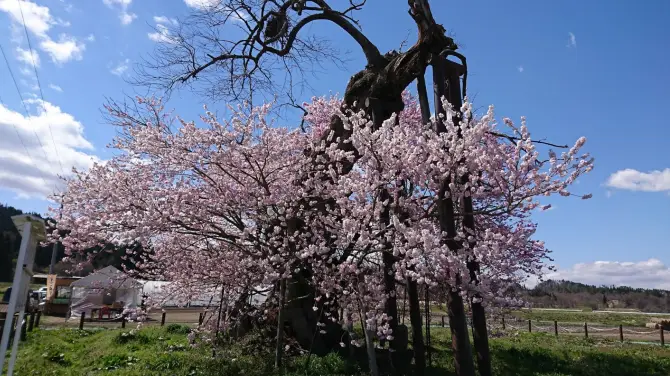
(503, 322)
(586, 331)
(620, 332)
(662, 337)
(23, 329)
(529, 327)
(31, 322)
(123, 322)
(163, 318)
(427, 305)
(12, 331)
(37, 319)
(556, 328)
(81, 321)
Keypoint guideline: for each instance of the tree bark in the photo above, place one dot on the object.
(377, 90)
(279, 350)
(481, 339)
(417, 333)
(479, 327)
(460, 339)
(460, 342)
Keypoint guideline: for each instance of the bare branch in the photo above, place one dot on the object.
(514, 139)
(243, 45)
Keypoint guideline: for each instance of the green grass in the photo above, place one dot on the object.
(148, 351)
(542, 354)
(159, 351)
(613, 319)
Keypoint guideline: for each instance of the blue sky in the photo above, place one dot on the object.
(573, 68)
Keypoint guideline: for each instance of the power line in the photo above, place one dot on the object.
(18, 134)
(23, 102)
(39, 85)
(27, 113)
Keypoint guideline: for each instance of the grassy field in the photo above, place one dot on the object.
(165, 351)
(610, 319)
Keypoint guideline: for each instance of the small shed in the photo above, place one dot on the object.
(106, 289)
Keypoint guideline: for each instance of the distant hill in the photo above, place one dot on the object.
(567, 294)
(10, 241)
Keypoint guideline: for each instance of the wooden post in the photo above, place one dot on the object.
(621, 332)
(415, 322)
(427, 305)
(529, 327)
(404, 303)
(200, 319)
(503, 322)
(443, 321)
(23, 329)
(81, 321)
(123, 322)
(31, 322)
(662, 337)
(12, 331)
(556, 328)
(586, 331)
(163, 319)
(279, 346)
(37, 319)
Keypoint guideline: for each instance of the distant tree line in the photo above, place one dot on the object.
(568, 294)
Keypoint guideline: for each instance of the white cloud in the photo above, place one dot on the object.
(26, 175)
(608, 193)
(520, 68)
(165, 20)
(39, 21)
(90, 38)
(67, 6)
(67, 48)
(634, 180)
(201, 4)
(572, 41)
(28, 57)
(125, 16)
(651, 273)
(38, 18)
(120, 68)
(234, 14)
(56, 88)
(162, 34)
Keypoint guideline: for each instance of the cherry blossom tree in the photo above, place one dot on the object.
(238, 204)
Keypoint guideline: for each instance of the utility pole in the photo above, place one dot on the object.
(32, 230)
